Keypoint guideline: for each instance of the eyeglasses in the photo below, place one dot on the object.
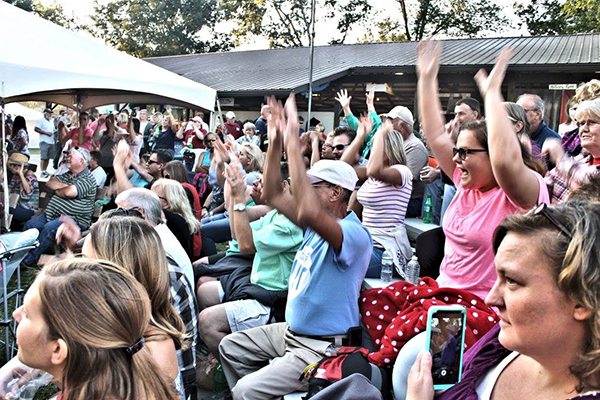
(150, 162)
(546, 212)
(340, 147)
(590, 123)
(463, 152)
(323, 184)
(211, 140)
(531, 110)
(126, 212)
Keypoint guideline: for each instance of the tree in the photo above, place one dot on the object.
(543, 17)
(146, 28)
(54, 12)
(286, 23)
(457, 18)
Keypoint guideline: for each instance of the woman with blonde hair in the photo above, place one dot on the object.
(173, 198)
(85, 322)
(133, 244)
(252, 160)
(385, 194)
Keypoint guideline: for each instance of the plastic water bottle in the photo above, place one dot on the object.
(413, 269)
(387, 266)
(427, 210)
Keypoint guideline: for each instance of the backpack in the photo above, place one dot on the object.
(343, 363)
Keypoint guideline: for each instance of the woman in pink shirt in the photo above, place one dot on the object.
(492, 171)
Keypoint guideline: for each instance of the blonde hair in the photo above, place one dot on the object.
(255, 155)
(178, 202)
(575, 266)
(99, 310)
(393, 147)
(133, 244)
(588, 90)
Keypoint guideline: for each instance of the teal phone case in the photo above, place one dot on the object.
(463, 313)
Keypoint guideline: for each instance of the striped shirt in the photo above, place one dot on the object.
(384, 204)
(79, 208)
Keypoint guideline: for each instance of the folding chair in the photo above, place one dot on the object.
(14, 247)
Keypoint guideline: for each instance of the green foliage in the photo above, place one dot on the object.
(26, 5)
(147, 28)
(286, 23)
(553, 17)
(54, 12)
(457, 18)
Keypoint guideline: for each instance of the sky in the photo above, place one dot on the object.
(82, 8)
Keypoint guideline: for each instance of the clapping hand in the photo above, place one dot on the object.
(428, 58)
(292, 127)
(276, 122)
(365, 126)
(493, 82)
(235, 180)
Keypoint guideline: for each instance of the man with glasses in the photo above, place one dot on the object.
(75, 192)
(416, 155)
(534, 109)
(326, 275)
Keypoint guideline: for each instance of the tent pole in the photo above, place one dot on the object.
(223, 130)
(312, 59)
(4, 164)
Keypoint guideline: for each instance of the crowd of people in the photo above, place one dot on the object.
(249, 245)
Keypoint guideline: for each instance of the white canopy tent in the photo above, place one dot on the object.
(48, 63)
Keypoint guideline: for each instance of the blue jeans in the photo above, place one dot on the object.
(47, 236)
(449, 192)
(436, 190)
(217, 228)
(374, 270)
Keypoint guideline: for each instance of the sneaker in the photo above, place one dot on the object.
(45, 174)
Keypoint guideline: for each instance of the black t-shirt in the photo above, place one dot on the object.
(165, 140)
(178, 226)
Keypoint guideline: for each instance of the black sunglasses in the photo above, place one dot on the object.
(542, 209)
(463, 152)
(150, 162)
(126, 212)
(340, 147)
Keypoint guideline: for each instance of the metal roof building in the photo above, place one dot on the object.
(248, 76)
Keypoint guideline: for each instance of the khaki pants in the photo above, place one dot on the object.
(245, 358)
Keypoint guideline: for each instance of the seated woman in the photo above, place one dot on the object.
(490, 167)
(547, 344)
(80, 313)
(384, 196)
(250, 135)
(133, 244)
(173, 198)
(571, 172)
(176, 170)
(25, 184)
(252, 160)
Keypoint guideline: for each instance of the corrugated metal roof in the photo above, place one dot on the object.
(287, 69)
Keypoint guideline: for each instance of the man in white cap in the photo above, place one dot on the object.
(326, 275)
(231, 126)
(75, 192)
(416, 155)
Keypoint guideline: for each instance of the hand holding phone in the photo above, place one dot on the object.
(446, 342)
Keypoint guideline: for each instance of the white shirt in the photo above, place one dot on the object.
(46, 126)
(100, 176)
(174, 250)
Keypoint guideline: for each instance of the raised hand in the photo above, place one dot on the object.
(493, 82)
(371, 97)
(235, 179)
(276, 120)
(364, 126)
(343, 98)
(428, 58)
(292, 127)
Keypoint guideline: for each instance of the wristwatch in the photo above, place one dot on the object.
(239, 207)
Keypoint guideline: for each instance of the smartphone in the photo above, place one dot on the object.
(446, 343)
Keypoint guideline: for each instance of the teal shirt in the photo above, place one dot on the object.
(276, 240)
(353, 124)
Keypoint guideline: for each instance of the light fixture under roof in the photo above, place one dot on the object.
(399, 73)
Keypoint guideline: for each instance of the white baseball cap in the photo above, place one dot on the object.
(401, 112)
(229, 114)
(335, 172)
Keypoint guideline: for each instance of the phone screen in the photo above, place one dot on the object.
(445, 345)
